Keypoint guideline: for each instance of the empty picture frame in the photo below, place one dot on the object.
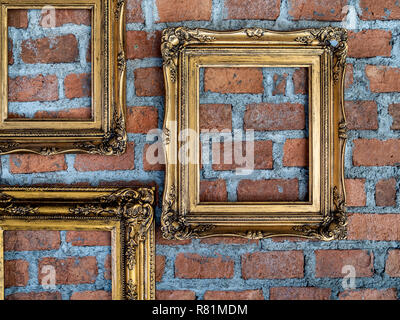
(323, 52)
(103, 132)
(128, 213)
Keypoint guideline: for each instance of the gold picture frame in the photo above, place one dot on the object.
(128, 213)
(105, 132)
(323, 51)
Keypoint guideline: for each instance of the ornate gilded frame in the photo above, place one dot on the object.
(105, 133)
(323, 52)
(128, 213)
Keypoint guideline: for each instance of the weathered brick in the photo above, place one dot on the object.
(50, 50)
(175, 295)
(227, 158)
(149, 82)
(17, 18)
(90, 162)
(299, 293)
(153, 159)
(379, 10)
(107, 267)
(233, 80)
(300, 81)
(195, 266)
(383, 78)
(270, 116)
(31, 240)
(253, 9)
(213, 191)
(329, 263)
(64, 16)
(91, 295)
(361, 115)
(134, 11)
(75, 270)
(10, 52)
(234, 295)
(279, 84)
(349, 76)
(268, 190)
(89, 238)
(369, 294)
(83, 113)
(273, 265)
(379, 227)
(385, 193)
(160, 267)
(16, 273)
(370, 43)
(54, 295)
(78, 85)
(392, 268)
(182, 10)
(215, 116)
(355, 192)
(394, 111)
(32, 163)
(320, 10)
(161, 241)
(141, 119)
(39, 88)
(295, 153)
(385, 152)
(142, 44)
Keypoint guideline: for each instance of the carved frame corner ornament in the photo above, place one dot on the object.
(103, 134)
(323, 52)
(128, 213)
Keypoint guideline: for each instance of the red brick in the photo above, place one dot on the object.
(32, 163)
(89, 238)
(83, 113)
(349, 77)
(300, 81)
(34, 296)
(233, 80)
(375, 152)
(16, 273)
(213, 191)
(394, 111)
(175, 295)
(385, 195)
(161, 241)
(39, 88)
(216, 116)
(141, 119)
(234, 295)
(383, 79)
(273, 265)
(268, 190)
(152, 159)
(379, 227)
(64, 16)
(269, 116)
(10, 52)
(50, 50)
(253, 9)
(75, 270)
(17, 18)
(320, 10)
(329, 263)
(227, 240)
(31, 240)
(361, 115)
(392, 268)
(183, 10)
(195, 266)
(370, 43)
(160, 267)
(134, 11)
(90, 162)
(78, 85)
(369, 294)
(295, 153)
(149, 82)
(108, 268)
(262, 155)
(355, 192)
(299, 293)
(142, 44)
(379, 10)
(91, 295)
(279, 86)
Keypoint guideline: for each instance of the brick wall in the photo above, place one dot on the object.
(282, 268)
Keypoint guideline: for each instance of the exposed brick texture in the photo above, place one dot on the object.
(213, 191)
(355, 190)
(295, 153)
(234, 295)
(32, 163)
(394, 111)
(300, 81)
(379, 10)
(252, 9)
(16, 273)
(77, 85)
(175, 295)
(17, 18)
(141, 119)
(369, 294)
(31, 240)
(392, 268)
(325, 10)
(215, 117)
(134, 11)
(361, 115)
(142, 44)
(89, 238)
(182, 10)
(299, 293)
(381, 227)
(268, 190)
(370, 43)
(386, 152)
(35, 296)
(160, 267)
(65, 16)
(385, 194)
(383, 78)
(40, 88)
(149, 82)
(91, 295)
